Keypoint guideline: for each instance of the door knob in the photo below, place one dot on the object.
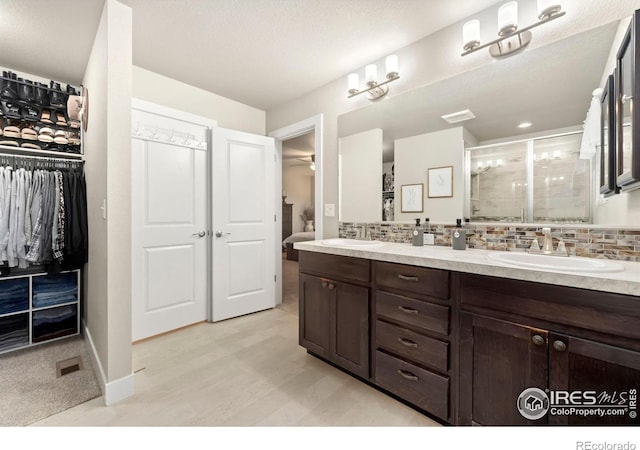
(560, 346)
(201, 233)
(537, 339)
(220, 233)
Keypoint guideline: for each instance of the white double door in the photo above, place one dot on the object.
(202, 221)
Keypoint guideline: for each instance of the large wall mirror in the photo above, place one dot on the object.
(500, 172)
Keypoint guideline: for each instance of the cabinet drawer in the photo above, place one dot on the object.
(420, 387)
(616, 314)
(336, 267)
(412, 345)
(419, 280)
(421, 314)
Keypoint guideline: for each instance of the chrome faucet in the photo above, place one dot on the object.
(363, 233)
(547, 245)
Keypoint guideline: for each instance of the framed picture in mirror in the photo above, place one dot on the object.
(440, 182)
(411, 198)
(608, 139)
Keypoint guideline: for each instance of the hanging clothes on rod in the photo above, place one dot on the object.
(43, 213)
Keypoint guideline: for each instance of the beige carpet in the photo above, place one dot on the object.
(29, 388)
(289, 286)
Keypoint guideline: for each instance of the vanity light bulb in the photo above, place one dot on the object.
(391, 64)
(498, 163)
(556, 154)
(471, 34)
(548, 8)
(480, 165)
(508, 18)
(544, 156)
(489, 163)
(371, 74)
(353, 82)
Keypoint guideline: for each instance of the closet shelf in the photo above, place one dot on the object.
(20, 151)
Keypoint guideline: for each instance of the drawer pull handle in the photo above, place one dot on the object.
(407, 375)
(404, 309)
(408, 343)
(408, 278)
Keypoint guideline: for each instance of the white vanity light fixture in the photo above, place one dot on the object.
(510, 39)
(374, 90)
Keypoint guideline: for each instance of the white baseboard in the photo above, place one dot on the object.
(114, 391)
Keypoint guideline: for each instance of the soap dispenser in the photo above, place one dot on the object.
(459, 236)
(428, 238)
(416, 239)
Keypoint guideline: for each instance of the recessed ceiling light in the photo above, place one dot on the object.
(525, 125)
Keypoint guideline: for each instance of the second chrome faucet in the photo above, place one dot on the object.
(547, 245)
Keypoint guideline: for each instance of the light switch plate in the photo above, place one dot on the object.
(329, 210)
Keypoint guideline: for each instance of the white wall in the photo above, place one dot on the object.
(360, 157)
(414, 155)
(162, 90)
(297, 183)
(426, 61)
(623, 208)
(107, 169)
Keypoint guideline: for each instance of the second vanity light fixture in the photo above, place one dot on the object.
(511, 39)
(374, 89)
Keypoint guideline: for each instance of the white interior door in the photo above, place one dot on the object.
(243, 217)
(170, 223)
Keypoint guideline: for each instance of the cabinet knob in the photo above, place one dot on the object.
(537, 339)
(324, 284)
(559, 346)
(331, 286)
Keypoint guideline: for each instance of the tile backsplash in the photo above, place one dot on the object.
(580, 240)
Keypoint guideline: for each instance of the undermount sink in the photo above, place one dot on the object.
(556, 263)
(350, 243)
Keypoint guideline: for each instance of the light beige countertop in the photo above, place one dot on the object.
(477, 261)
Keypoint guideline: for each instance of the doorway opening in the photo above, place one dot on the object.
(298, 152)
(298, 210)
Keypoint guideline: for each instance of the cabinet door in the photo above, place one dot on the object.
(314, 315)
(498, 360)
(349, 317)
(579, 365)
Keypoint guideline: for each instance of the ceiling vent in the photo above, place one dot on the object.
(459, 116)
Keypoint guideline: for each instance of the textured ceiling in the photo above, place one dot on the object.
(48, 38)
(259, 52)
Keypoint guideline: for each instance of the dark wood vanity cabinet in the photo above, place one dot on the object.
(411, 335)
(334, 315)
(555, 347)
(463, 347)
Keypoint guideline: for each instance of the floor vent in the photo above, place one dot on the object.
(68, 366)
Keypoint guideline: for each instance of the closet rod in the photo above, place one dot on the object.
(47, 158)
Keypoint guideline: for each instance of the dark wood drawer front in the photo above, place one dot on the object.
(412, 345)
(421, 314)
(419, 280)
(599, 311)
(335, 267)
(424, 389)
